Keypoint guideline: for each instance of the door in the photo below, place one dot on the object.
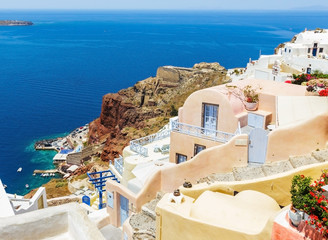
(110, 199)
(257, 148)
(124, 209)
(315, 48)
(210, 117)
(314, 52)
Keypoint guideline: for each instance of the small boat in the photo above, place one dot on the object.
(4, 186)
(19, 169)
(27, 186)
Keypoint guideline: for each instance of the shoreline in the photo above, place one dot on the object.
(73, 142)
(15, 23)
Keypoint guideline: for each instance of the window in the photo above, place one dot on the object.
(309, 50)
(210, 117)
(320, 50)
(285, 49)
(179, 158)
(290, 50)
(198, 148)
(315, 45)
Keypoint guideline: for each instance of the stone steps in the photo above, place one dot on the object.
(144, 222)
(253, 171)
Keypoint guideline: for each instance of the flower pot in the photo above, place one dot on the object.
(311, 93)
(251, 106)
(295, 217)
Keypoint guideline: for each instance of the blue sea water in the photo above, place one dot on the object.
(53, 74)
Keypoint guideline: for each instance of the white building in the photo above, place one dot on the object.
(141, 158)
(13, 204)
(307, 52)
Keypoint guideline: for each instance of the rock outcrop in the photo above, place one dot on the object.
(144, 108)
(15, 23)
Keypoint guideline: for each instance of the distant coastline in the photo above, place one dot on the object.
(15, 23)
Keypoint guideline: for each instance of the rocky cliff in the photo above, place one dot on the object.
(144, 108)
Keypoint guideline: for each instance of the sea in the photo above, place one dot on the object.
(53, 74)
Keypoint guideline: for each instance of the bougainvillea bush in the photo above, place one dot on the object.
(316, 85)
(311, 199)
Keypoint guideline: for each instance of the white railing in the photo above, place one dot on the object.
(200, 132)
(119, 164)
(138, 144)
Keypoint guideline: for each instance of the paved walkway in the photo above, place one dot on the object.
(257, 171)
(111, 233)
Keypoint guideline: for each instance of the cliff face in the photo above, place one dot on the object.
(144, 108)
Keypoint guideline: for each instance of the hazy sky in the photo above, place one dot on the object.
(165, 4)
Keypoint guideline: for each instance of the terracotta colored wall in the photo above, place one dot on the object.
(213, 160)
(118, 189)
(151, 187)
(191, 113)
(299, 139)
(184, 144)
(268, 103)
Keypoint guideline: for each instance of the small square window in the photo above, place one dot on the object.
(315, 45)
(309, 50)
(198, 148)
(179, 158)
(320, 50)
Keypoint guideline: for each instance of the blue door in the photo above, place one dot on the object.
(314, 52)
(257, 148)
(124, 209)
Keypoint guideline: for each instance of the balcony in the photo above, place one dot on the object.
(138, 145)
(200, 132)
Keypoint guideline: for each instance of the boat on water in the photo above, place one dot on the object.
(27, 186)
(19, 169)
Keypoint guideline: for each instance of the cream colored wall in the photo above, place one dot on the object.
(298, 139)
(191, 113)
(276, 186)
(173, 222)
(212, 160)
(68, 221)
(184, 144)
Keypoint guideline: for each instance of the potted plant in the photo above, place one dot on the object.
(300, 197)
(247, 94)
(251, 98)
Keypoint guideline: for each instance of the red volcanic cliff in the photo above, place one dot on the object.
(144, 108)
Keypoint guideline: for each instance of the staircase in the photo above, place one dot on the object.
(144, 223)
(253, 171)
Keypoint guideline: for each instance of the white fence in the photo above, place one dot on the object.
(201, 132)
(138, 144)
(119, 164)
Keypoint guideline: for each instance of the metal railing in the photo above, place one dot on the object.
(119, 164)
(138, 144)
(201, 132)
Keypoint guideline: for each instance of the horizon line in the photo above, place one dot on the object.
(157, 9)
